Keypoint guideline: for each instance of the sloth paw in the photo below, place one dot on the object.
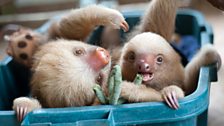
(23, 105)
(171, 94)
(210, 55)
(117, 21)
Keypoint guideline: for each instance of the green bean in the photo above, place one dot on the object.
(138, 79)
(117, 85)
(99, 93)
(111, 85)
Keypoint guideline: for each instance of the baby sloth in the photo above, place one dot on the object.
(64, 73)
(149, 54)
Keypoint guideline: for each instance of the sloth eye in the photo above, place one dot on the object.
(79, 51)
(29, 37)
(131, 56)
(159, 59)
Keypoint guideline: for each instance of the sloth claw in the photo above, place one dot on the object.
(21, 112)
(124, 25)
(171, 94)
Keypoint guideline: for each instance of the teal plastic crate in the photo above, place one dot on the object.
(193, 108)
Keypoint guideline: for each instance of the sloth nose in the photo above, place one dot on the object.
(99, 59)
(103, 55)
(143, 67)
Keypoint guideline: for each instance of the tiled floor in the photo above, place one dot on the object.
(216, 19)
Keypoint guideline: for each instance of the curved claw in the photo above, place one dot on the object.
(124, 25)
(175, 99)
(17, 113)
(21, 113)
(171, 100)
(167, 102)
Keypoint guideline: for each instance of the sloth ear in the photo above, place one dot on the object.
(7, 38)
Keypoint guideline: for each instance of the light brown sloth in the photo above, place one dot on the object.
(65, 70)
(149, 54)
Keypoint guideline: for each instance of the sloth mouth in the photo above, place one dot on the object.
(99, 78)
(147, 76)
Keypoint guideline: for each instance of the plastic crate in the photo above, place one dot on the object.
(192, 112)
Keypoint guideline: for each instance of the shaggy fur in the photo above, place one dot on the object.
(155, 45)
(169, 76)
(80, 22)
(60, 77)
(76, 25)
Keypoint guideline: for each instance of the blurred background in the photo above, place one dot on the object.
(33, 13)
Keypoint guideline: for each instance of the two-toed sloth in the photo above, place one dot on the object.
(149, 53)
(65, 70)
